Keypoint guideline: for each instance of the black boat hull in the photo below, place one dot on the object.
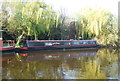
(37, 45)
(57, 48)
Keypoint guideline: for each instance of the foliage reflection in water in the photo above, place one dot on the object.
(70, 64)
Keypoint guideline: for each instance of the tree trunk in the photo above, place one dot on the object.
(35, 36)
(19, 38)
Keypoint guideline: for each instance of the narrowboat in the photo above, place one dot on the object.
(7, 46)
(36, 45)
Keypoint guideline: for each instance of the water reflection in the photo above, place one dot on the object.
(58, 55)
(70, 64)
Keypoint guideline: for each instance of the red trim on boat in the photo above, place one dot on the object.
(23, 54)
(23, 48)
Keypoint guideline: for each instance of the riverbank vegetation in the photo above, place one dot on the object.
(32, 20)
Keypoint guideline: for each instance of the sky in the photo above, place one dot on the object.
(73, 6)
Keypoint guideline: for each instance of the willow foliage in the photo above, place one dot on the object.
(40, 15)
(30, 18)
(97, 22)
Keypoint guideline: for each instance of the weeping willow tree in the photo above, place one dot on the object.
(97, 23)
(40, 16)
(30, 18)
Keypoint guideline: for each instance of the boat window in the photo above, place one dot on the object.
(92, 42)
(62, 43)
(55, 43)
(48, 44)
(8, 43)
(67, 43)
(36, 43)
(75, 42)
(80, 42)
(85, 42)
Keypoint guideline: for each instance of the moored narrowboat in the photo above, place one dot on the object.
(36, 45)
(7, 46)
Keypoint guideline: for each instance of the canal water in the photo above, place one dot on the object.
(64, 64)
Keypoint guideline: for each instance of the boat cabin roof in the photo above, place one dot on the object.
(56, 40)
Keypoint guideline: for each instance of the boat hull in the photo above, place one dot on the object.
(57, 48)
(5, 49)
(57, 45)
